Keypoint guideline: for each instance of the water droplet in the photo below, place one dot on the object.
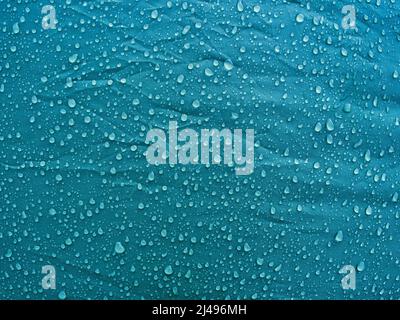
(71, 103)
(329, 125)
(240, 6)
(228, 65)
(299, 18)
(154, 14)
(180, 78)
(16, 28)
(208, 72)
(119, 248)
(196, 103)
(347, 108)
(73, 58)
(339, 236)
(62, 295)
(256, 8)
(168, 270)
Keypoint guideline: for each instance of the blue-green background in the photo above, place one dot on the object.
(74, 180)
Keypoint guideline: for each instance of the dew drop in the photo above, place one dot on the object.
(119, 248)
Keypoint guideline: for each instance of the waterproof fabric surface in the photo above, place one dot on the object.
(78, 194)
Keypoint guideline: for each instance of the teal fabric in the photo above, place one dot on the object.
(78, 194)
